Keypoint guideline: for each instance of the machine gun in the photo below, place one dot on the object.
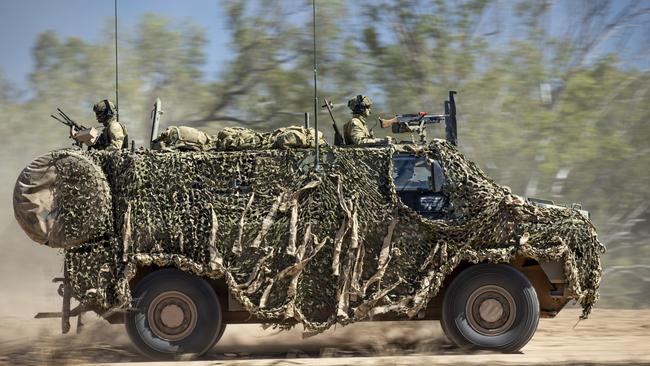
(67, 120)
(416, 123)
(79, 133)
(413, 123)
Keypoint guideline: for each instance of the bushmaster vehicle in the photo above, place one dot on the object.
(179, 244)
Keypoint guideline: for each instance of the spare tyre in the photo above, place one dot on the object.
(62, 199)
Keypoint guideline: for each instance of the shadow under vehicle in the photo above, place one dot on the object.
(178, 244)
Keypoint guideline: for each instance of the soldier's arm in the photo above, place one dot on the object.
(86, 136)
(360, 135)
(115, 135)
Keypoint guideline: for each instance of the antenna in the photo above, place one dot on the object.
(316, 142)
(117, 85)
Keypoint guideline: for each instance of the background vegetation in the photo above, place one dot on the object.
(554, 98)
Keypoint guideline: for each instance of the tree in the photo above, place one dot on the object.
(269, 79)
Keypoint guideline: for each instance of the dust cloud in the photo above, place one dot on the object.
(609, 336)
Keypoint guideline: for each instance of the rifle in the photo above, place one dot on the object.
(82, 134)
(339, 139)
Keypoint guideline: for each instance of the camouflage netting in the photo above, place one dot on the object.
(317, 248)
(185, 138)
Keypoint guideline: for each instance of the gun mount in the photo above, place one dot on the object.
(416, 123)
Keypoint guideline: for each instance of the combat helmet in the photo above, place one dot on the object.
(104, 110)
(359, 103)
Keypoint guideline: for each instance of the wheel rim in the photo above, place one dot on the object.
(172, 315)
(491, 310)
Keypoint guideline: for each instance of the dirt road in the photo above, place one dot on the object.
(608, 337)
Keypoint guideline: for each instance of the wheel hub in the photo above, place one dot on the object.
(491, 310)
(172, 315)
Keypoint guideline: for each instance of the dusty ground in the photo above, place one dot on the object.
(608, 337)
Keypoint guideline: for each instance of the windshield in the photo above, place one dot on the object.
(411, 173)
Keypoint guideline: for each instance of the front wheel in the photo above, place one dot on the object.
(176, 315)
(490, 306)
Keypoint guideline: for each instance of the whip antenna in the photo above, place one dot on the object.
(317, 163)
(117, 85)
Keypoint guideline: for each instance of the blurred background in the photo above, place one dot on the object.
(553, 96)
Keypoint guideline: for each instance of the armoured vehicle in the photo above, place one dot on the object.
(179, 244)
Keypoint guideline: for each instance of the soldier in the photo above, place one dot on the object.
(114, 134)
(355, 130)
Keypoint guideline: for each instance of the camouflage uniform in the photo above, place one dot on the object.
(355, 130)
(114, 134)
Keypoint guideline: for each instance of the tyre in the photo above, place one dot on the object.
(176, 314)
(49, 208)
(219, 335)
(490, 306)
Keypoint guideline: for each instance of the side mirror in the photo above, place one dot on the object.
(437, 176)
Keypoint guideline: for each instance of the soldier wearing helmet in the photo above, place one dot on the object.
(355, 130)
(114, 135)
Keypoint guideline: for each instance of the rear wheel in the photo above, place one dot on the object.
(490, 306)
(176, 315)
(219, 335)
